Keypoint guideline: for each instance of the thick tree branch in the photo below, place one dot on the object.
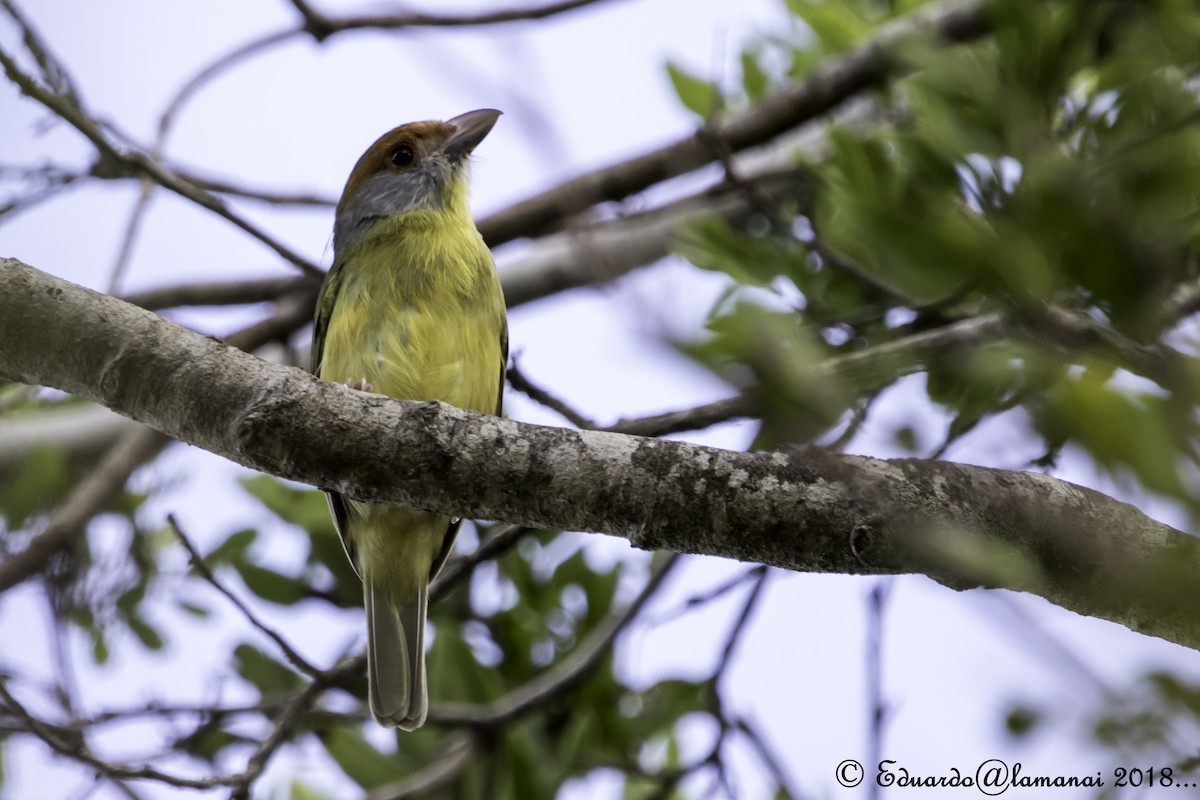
(586, 255)
(596, 253)
(129, 452)
(806, 509)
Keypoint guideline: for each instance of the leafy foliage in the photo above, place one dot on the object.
(1052, 166)
(485, 647)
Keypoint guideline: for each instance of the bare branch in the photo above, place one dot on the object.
(877, 704)
(709, 595)
(460, 567)
(275, 198)
(71, 744)
(289, 721)
(826, 88)
(738, 630)
(772, 762)
(218, 65)
(539, 395)
(321, 27)
(587, 254)
(133, 227)
(87, 499)
(113, 160)
(47, 182)
(109, 476)
(227, 293)
(803, 509)
(294, 658)
(440, 771)
(563, 676)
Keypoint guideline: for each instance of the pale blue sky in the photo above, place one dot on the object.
(579, 92)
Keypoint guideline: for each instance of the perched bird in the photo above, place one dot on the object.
(412, 308)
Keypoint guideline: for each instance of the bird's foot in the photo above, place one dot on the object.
(360, 385)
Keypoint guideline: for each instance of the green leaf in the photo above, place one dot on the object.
(667, 701)
(150, 638)
(208, 741)
(599, 586)
(193, 609)
(645, 787)
(326, 550)
(305, 508)
(582, 728)
(711, 243)
(131, 599)
(100, 652)
(833, 22)
(776, 357)
(755, 80)
(233, 549)
(38, 485)
(361, 762)
(300, 791)
(1021, 721)
(1138, 432)
(698, 96)
(269, 676)
(526, 769)
(453, 672)
(272, 586)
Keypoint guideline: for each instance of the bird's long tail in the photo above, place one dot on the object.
(396, 658)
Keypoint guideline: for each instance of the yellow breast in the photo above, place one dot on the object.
(419, 314)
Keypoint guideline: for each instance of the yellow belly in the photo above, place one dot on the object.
(418, 320)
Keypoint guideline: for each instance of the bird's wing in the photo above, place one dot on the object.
(329, 291)
(503, 366)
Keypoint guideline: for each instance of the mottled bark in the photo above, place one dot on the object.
(804, 509)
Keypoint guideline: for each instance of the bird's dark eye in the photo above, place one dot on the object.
(402, 156)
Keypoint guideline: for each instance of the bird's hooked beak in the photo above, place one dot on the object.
(469, 130)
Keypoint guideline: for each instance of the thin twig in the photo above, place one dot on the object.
(560, 678)
(242, 52)
(704, 598)
(518, 380)
(219, 294)
(294, 658)
(437, 773)
(52, 184)
(72, 745)
(740, 625)
(109, 476)
(461, 567)
(322, 27)
(858, 418)
(294, 713)
(270, 197)
(84, 502)
(768, 757)
(116, 161)
(876, 703)
(133, 227)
